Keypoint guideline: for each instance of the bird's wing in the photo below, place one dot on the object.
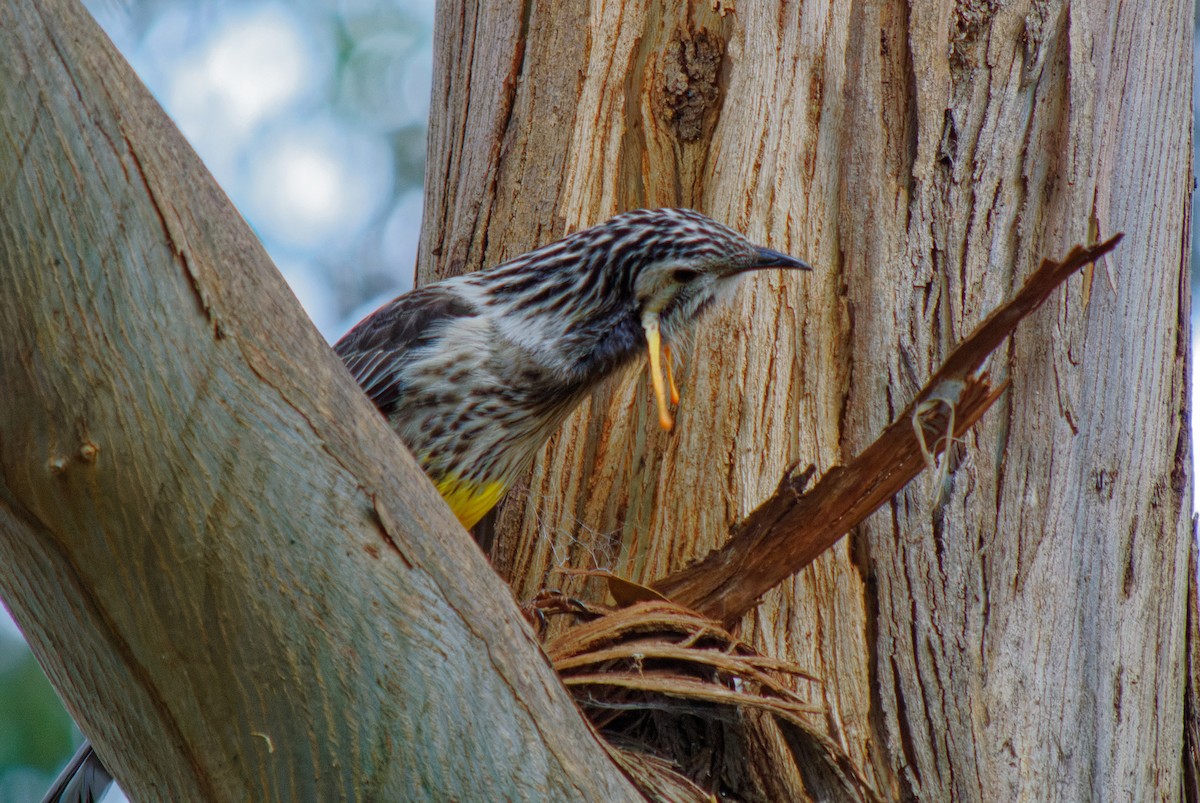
(83, 780)
(379, 345)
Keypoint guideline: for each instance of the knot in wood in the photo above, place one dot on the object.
(686, 87)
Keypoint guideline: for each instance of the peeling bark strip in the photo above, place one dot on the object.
(789, 530)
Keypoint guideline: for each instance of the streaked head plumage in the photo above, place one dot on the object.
(593, 294)
(671, 261)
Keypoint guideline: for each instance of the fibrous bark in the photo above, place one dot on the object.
(1018, 629)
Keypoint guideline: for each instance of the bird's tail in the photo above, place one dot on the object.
(83, 780)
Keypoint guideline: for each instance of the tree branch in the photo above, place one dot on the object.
(232, 571)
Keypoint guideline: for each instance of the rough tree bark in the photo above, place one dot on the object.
(1024, 635)
(234, 574)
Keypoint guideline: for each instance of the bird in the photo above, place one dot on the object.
(476, 372)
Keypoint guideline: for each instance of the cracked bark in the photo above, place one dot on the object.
(911, 152)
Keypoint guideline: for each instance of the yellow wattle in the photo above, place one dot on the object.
(654, 342)
(469, 500)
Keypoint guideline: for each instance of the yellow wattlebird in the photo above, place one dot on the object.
(475, 373)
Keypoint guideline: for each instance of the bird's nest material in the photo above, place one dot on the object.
(662, 649)
(677, 696)
(655, 672)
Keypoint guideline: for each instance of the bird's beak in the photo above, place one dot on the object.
(766, 258)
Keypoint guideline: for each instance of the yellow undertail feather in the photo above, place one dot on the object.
(469, 500)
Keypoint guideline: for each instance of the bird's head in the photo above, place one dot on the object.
(678, 262)
(639, 280)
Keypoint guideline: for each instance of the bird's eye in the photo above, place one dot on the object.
(684, 275)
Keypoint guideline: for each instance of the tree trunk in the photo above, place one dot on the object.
(1016, 629)
(236, 577)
